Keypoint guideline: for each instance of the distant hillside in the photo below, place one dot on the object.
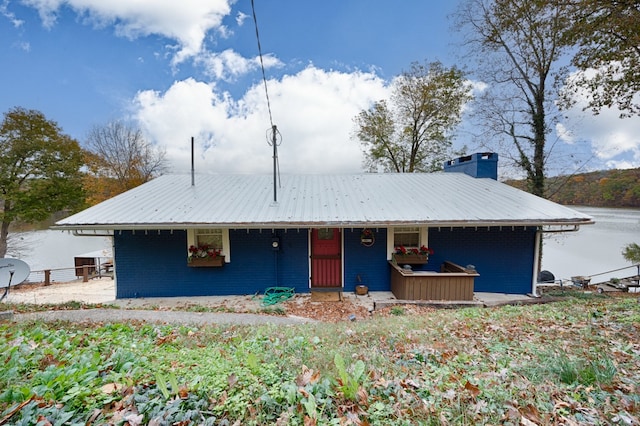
(606, 188)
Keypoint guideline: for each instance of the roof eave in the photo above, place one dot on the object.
(321, 224)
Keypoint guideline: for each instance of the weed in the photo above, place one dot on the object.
(397, 311)
(197, 308)
(277, 310)
(576, 294)
(349, 382)
(585, 372)
(477, 366)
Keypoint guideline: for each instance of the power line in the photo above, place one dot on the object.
(275, 138)
(264, 77)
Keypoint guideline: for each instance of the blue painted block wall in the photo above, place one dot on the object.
(502, 256)
(154, 264)
(370, 263)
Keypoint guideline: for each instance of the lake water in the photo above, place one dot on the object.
(594, 249)
(50, 249)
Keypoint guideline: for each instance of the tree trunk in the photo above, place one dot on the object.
(4, 234)
(539, 129)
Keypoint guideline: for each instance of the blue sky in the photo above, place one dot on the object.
(190, 68)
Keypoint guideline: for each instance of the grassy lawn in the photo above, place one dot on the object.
(570, 362)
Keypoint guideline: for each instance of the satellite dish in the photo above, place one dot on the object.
(13, 271)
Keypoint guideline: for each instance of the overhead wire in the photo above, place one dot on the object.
(274, 137)
(264, 76)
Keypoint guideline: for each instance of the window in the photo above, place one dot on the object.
(210, 237)
(325, 234)
(407, 236)
(215, 238)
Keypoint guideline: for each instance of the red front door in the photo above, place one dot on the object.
(326, 258)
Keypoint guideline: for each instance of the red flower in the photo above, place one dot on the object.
(401, 250)
(423, 250)
(203, 250)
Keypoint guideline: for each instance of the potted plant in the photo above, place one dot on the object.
(204, 255)
(412, 256)
(361, 289)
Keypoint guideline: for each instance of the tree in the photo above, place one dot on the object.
(412, 133)
(631, 252)
(517, 44)
(607, 36)
(119, 158)
(39, 170)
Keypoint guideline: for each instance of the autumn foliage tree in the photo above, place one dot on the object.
(39, 170)
(606, 37)
(412, 131)
(119, 158)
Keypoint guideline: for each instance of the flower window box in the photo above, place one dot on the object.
(412, 256)
(411, 259)
(204, 256)
(206, 262)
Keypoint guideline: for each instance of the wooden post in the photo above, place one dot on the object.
(85, 273)
(47, 277)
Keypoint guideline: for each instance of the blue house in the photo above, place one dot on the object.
(326, 232)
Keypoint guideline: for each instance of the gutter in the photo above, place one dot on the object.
(574, 225)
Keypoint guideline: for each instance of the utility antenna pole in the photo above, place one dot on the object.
(193, 168)
(274, 131)
(273, 141)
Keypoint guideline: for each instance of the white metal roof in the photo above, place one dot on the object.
(246, 201)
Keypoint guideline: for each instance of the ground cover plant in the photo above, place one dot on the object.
(575, 361)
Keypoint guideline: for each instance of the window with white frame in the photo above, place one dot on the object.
(406, 236)
(217, 239)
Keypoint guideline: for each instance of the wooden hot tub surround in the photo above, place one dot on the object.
(453, 283)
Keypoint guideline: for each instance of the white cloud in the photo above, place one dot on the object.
(565, 134)
(240, 18)
(477, 87)
(228, 65)
(312, 109)
(186, 21)
(4, 11)
(614, 141)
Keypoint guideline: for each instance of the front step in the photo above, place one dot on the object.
(327, 294)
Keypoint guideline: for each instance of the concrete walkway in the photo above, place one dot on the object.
(169, 317)
(234, 309)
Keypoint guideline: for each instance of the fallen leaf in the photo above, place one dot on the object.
(530, 412)
(110, 388)
(307, 376)
(183, 392)
(473, 389)
(232, 380)
(304, 392)
(526, 422)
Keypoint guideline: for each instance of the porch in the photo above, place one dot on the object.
(452, 283)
